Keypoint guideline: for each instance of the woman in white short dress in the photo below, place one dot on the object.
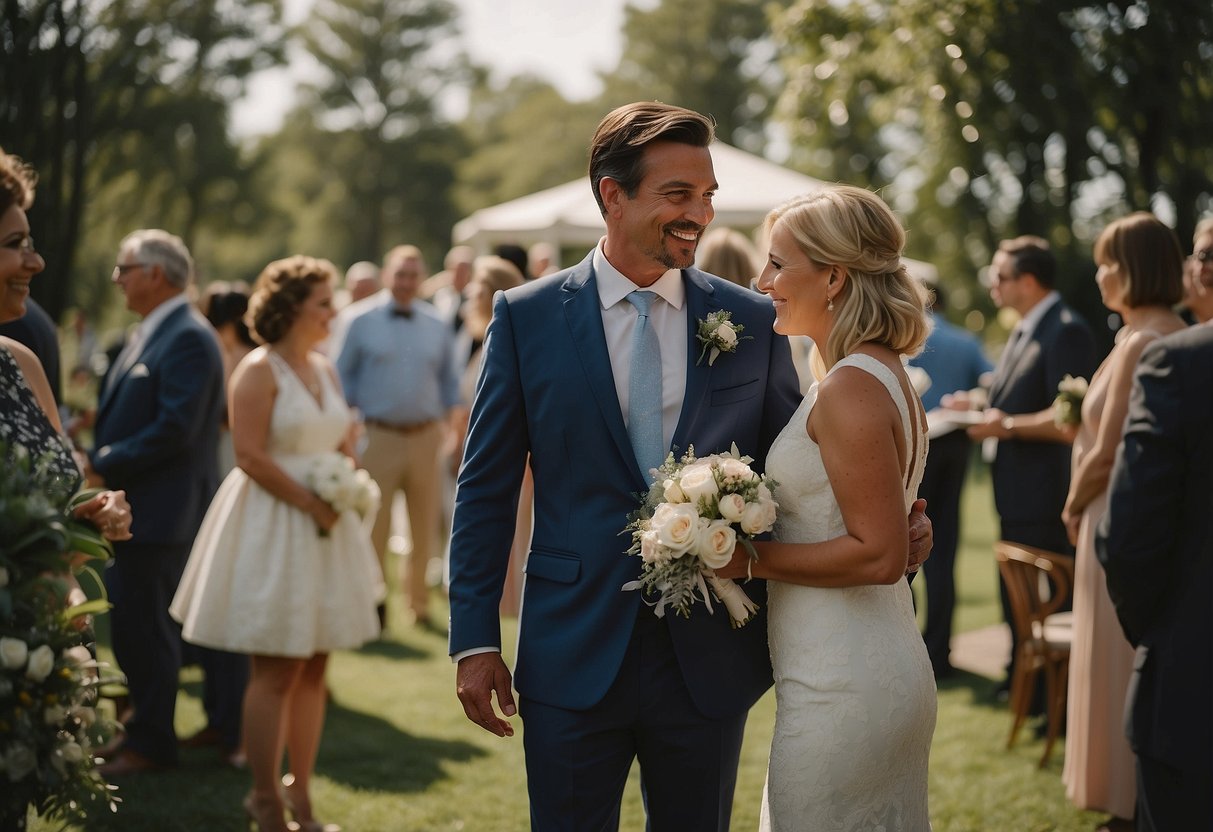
(276, 572)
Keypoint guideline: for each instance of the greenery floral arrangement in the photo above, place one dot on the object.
(48, 677)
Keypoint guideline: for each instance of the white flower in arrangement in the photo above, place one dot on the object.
(335, 480)
(41, 663)
(695, 508)
(13, 652)
(718, 334)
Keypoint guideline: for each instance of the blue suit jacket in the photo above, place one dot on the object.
(547, 390)
(157, 430)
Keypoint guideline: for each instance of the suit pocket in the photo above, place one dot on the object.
(736, 393)
(553, 566)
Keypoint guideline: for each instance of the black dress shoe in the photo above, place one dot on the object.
(128, 762)
(208, 737)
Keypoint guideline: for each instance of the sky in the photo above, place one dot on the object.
(567, 42)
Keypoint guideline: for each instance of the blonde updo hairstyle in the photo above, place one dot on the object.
(280, 290)
(879, 301)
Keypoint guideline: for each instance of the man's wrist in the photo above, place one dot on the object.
(1008, 425)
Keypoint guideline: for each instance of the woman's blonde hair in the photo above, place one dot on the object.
(879, 301)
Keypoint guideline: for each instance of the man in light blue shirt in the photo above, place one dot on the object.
(397, 365)
(954, 361)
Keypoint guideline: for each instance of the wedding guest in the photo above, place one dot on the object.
(728, 253)
(276, 572)
(1156, 546)
(953, 360)
(1140, 278)
(225, 310)
(28, 416)
(361, 280)
(1198, 273)
(397, 366)
(1031, 470)
(156, 435)
(490, 275)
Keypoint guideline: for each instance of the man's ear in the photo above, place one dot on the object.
(612, 194)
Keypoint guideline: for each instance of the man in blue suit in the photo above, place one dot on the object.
(156, 437)
(601, 680)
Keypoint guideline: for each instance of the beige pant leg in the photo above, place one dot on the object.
(423, 494)
(386, 460)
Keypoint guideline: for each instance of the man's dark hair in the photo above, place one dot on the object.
(617, 151)
(1031, 255)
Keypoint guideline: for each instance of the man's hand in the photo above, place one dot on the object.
(476, 679)
(922, 535)
(991, 426)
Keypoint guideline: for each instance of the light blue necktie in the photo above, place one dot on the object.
(644, 388)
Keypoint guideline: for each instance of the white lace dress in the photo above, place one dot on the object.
(855, 696)
(261, 579)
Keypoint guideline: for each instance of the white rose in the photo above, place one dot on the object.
(675, 526)
(41, 663)
(673, 492)
(758, 517)
(715, 543)
(726, 334)
(77, 656)
(732, 506)
(734, 470)
(697, 481)
(13, 652)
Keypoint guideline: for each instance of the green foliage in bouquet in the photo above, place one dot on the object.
(48, 678)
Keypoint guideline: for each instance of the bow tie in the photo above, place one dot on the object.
(397, 312)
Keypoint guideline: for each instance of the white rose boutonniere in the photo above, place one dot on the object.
(718, 334)
(691, 521)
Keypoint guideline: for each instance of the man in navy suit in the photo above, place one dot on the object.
(156, 437)
(1031, 471)
(1156, 547)
(601, 679)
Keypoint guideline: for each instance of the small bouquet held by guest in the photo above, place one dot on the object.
(1067, 407)
(335, 480)
(689, 524)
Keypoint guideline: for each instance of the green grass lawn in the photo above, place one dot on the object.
(399, 756)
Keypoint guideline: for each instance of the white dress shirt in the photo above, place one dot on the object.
(668, 318)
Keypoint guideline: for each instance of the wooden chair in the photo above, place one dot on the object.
(1038, 582)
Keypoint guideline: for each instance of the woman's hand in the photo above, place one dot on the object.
(110, 513)
(739, 567)
(323, 514)
(1072, 521)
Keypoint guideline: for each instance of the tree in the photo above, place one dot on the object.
(385, 64)
(992, 118)
(716, 58)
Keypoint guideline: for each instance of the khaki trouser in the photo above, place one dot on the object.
(407, 462)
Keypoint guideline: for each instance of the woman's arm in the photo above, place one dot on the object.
(1091, 473)
(856, 425)
(35, 377)
(252, 405)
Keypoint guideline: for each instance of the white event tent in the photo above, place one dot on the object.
(567, 216)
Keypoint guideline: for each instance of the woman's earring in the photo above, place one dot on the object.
(830, 306)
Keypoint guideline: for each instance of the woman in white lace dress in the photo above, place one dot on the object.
(855, 696)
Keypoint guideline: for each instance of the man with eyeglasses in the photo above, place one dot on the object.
(156, 434)
(1198, 273)
(1031, 469)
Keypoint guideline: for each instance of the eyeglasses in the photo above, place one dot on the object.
(990, 277)
(1205, 255)
(123, 268)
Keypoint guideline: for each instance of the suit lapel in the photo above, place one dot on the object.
(701, 301)
(1031, 344)
(112, 385)
(583, 315)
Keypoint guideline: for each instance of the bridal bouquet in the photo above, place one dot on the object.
(689, 524)
(345, 488)
(48, 678)
(1067, 407)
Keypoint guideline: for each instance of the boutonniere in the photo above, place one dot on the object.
(718, 334)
